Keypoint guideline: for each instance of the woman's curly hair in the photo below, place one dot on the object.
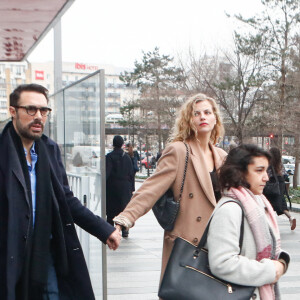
(184, 127)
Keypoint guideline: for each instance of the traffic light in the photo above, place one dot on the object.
(271, 136)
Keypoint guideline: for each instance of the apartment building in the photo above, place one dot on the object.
(12, 74)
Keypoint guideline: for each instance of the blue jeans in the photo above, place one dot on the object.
(51, 290)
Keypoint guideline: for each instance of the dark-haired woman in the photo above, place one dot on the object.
(259, 262)
(278, 202)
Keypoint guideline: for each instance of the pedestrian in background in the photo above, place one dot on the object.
(158, 155)
(199, 126)
(119, 181)
(135, 158)
(40, 253)
(259, 262)
(278, 202)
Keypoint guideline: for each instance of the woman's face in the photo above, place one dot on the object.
(257, 174)
(204, 118)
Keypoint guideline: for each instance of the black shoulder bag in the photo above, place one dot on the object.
(188, 275)
(166, 207)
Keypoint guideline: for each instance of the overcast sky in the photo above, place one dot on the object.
(116, 31)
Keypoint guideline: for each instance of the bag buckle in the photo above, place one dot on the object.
(196, 253)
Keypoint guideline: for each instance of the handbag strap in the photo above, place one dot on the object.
(204, 236)
(184, 172)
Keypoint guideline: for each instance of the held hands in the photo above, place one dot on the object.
(114, 239)
(119, 228)
(280, 268)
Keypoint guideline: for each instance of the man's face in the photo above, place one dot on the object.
(29, 127)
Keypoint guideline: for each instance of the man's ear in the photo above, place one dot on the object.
(12, 111)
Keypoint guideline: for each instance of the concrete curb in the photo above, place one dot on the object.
(295, 209)
(139, 180)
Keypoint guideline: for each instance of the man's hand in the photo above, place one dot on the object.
(113, 240)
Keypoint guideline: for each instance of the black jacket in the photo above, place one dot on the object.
(119, 181)
(15, 214)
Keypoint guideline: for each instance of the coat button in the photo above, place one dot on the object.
(25, 237)
(27, 216)
(254, 296)
(195, 240)
(198, 219)
(191, 195)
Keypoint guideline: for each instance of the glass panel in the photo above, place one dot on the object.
(75, 125)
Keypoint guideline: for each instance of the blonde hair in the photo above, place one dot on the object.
(184, 127)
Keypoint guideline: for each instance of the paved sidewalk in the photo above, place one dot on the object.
(134, 269)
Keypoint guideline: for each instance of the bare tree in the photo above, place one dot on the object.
(159, 81)
(277, 24)
(292, 109)
(235, 80)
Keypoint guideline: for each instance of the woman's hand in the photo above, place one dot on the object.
(118, 227)
(279, 267)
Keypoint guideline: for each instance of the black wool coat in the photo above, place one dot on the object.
(119, 181)
(15, 215)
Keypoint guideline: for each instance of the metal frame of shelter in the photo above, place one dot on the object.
(66, 104)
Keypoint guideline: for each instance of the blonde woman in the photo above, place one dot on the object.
(199, 126)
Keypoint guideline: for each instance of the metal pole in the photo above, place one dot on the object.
(103, 177)
(57, 57)
(58, 83)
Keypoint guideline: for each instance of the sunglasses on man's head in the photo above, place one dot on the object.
(32, 110)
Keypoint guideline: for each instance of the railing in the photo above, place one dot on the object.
(80, 186)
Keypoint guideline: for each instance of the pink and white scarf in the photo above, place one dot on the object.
(266, 234)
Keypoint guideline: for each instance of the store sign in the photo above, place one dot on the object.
(86, 67)
(39, 75)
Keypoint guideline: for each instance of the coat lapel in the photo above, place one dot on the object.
(201, 170)
(15, 166)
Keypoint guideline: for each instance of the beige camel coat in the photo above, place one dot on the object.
(198, 200)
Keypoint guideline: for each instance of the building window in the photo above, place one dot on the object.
(19, 70)
(2, 69)
(3, 93)
(13, 82)
(3, 105)
(2, 82)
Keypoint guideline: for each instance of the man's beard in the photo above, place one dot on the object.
(25, 133)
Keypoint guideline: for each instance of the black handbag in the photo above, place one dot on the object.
(272, 186)
(166, 207)
(188, 276)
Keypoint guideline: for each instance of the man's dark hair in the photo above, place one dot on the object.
(32, 87)
(118, 141)
(235, 167)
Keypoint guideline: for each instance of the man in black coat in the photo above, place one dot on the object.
(119, 180)
(40, 254)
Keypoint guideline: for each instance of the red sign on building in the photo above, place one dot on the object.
(39, 75)
(80, 66)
